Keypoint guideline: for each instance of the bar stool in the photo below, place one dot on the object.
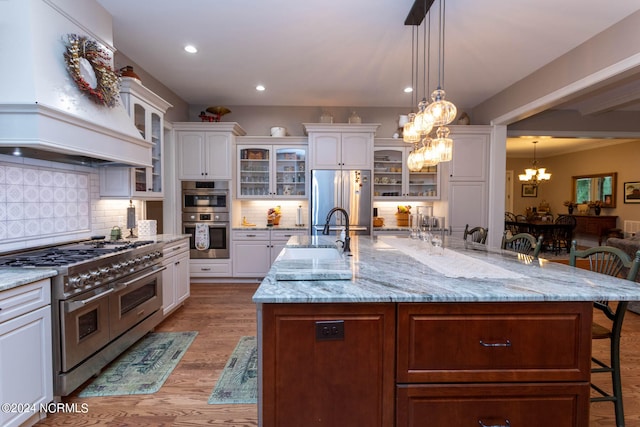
(613, 262)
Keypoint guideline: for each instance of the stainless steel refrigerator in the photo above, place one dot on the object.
(347, 189)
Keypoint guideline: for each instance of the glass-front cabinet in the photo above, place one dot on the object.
(146, 109)
(271, 171)
(149, 123)
(392, 180)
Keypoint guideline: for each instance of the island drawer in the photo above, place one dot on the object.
(494, 342)
(525, 405)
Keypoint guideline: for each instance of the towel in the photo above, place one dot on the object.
(202, 237)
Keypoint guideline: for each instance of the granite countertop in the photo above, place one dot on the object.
(13, 277)
(398, 269)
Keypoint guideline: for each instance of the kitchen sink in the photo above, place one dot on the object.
(310, 253)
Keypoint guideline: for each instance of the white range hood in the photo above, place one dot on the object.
(42, 111)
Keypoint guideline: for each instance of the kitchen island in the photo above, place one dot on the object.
(469, 336)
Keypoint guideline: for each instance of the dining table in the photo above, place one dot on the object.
(553, 235)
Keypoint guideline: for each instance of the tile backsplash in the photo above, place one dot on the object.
(44, 203)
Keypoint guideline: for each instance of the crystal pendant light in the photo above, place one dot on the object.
(415, 161)
(409, 133)
(442, 111)
(443, 145)
(428, 153)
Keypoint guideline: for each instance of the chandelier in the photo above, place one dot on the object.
(534, 175)
(438, 113)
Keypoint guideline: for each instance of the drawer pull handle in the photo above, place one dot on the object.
(495, 344)
(251, 235)
(506, 424)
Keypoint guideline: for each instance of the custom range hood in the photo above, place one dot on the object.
(43, 113)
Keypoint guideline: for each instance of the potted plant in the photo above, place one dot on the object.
(570, 205)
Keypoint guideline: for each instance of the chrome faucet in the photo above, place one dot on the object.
(346, 247)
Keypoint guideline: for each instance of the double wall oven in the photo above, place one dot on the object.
(205, 216)
(105, 297)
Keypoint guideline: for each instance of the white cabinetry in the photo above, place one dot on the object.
(271, 171)
(468, 178)
(25, 351)
(253, 251)
(205, 150)
(175, 279)
(392, 179)
(341, 146)
(147, 112)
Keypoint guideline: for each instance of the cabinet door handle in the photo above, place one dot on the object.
(506, 424)
(507, 343)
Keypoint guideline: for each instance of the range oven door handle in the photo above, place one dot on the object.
(122, 285)
(71, 306)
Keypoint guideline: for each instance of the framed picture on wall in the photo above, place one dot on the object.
(529, 190)
(632, 192)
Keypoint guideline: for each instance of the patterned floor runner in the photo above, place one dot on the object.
(144, 367)
(238, 382)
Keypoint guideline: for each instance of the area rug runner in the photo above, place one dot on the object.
(144, 367)
(238, 382)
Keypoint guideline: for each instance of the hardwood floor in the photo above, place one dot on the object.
(223, 313)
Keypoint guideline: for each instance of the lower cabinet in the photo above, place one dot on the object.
(253, 251)
(495, 405)
(175, 279)
(25, 353)
(453, 364)
(201, 269)
(328, 365)
(494, 364)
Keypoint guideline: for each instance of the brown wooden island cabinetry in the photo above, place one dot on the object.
(328, 365)
(454, 364)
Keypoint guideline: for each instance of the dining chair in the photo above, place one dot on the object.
(510, 217)
(613, 262)
(523, 243)
(563, 234)
(475, 234)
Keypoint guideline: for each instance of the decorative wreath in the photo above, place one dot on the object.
(88, 64)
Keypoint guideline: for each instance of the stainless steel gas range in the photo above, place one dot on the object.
(105, 297)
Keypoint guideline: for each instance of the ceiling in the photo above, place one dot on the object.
(350, 53)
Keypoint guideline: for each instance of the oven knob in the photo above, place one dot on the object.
(94, 274)
(104, 271)
(75, 281)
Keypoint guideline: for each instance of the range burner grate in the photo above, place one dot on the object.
(68, 254)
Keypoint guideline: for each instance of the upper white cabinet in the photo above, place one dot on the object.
(392, 179)
(271, 171)
(469, 178)
(205, 150)
(147, 112)
(470, 160)
(341, 146)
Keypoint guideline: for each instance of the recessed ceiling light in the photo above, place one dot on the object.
(190, 48)
(260, 88)
(408, 89)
